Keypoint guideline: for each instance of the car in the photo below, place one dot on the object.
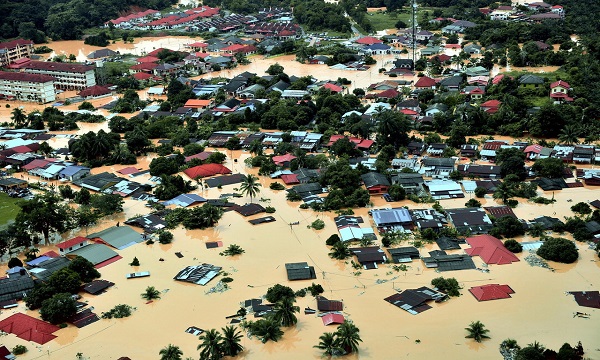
(387, 197)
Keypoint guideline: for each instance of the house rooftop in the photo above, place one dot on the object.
(300, 271)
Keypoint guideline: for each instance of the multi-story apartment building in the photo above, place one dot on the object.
(15, 50)
(68, 76)
(27, 87)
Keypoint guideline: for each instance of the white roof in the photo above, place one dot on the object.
(156, 90)
(352, 232)
(443, 185)
(469, 185)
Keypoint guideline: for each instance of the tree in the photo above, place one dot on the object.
(210, 347)
(473, 203)
(340, 251)
(344, 147)
(507, 226)
(170, 352)
(278, 293)
(151, 293)
(230, 345)
(569, 134)
(275, 69)
(65, 281)
(137, 140)
(58, 308)
(348, 337)
(135, 262)
(285, 312)
(393, 128)
(531, 352)
(165, 237)
(332, 240)
(504, 191)
(83, 197)
(559, 249)
(448, 285)
(549, 167)
(513, 245)
(480, 192)
(581, 208)
(14, 262)
(84, 268)
(397, 192)
(45, 214)
(250, 186)
(329, 344)
(477, 331)
(18, 117)
(107, 204)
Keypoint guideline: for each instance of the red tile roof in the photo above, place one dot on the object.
(19, 76)
(289, 179)
(58, 66)
(206, 170)
(388, 94)
(333, 87)
(29, 328)
(560, 83)
(425, 82)
(144, 66)
(142, 76)
(333, 319)
(128, 170)
(491, 292)
(72, 242)
(198, 45)
(37, 163)
(281, 159)
(202, 156)
(148, 59)
(368, 40)
(95, 90)
(490, 250)
(15, 43)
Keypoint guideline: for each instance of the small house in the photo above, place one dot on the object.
(375, 182)
(73, 244)
(300, 271)
(369, 256)
(470, 220)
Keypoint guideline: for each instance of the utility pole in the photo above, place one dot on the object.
(414, 31)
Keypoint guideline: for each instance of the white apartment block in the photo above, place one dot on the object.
(11, 51)
(68, 76)
(27, 87)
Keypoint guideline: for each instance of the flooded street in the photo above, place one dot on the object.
(538, 311)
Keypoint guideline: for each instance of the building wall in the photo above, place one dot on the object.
(28, 91)
(10, 55)
(68, 80)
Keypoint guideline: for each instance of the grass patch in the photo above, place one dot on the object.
(383, 21)
(8, 209)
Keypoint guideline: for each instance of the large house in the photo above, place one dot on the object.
(67, 76)
(27, 87)
(11, 51)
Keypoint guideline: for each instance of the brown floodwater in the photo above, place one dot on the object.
(538, 311)
(532, 314)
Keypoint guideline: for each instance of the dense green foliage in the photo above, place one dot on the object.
(559, 249)
(448, 285)
(513, 245)
(118, 312)
(477, 331)
(63, 19)
(279, 292)
(58, 308)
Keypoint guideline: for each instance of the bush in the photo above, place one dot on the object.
(14, 262)
(232, 250)
(559, 249)
(397, 192)
(226, 279)
(473, 203)
(450, 286)
(318, 224)
(19, 350)
(58, 308)
(332, 240)
(165, 237)
(269, 209)
(507, 226)
(276, 186)
(315, 289)
(135, 262)
(480, 192)
(513, 245)
(118, 312)
(300, 293)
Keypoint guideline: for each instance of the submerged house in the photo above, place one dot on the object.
(300, 271)
(414, 301)
(369, 256)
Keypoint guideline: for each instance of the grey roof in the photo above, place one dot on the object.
(149, 223)
(531, 79)
(374, 178)
(546, 222)
(445, 162)
(198, 274)
(119, 237)
(473, 220)
(453, 262)
(404, 254)
(451, 81)
(312, 188)
(389, 217)
(185, 200)
(446, 243)
(72, 170)
(15, 287)
(95, 253)
(300, 271)
(99, 181)
(50, 267)
(100, 53)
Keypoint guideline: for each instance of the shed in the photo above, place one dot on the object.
(96, 287)
(248, 209)
(198, 274)
(300, 271)
(332, 319)
(185, 200)
(324, 304)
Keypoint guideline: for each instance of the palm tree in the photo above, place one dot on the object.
(256, 148)
(250, 186)
(284, 312)
(211, 345)
(171, 352)
(329, 344)
(340, 251)
(151, 293)
(348, 337)
(230, 345)
(267, 329)
(503, 191)
(477, 331)
(211, 214)
(569, 135)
